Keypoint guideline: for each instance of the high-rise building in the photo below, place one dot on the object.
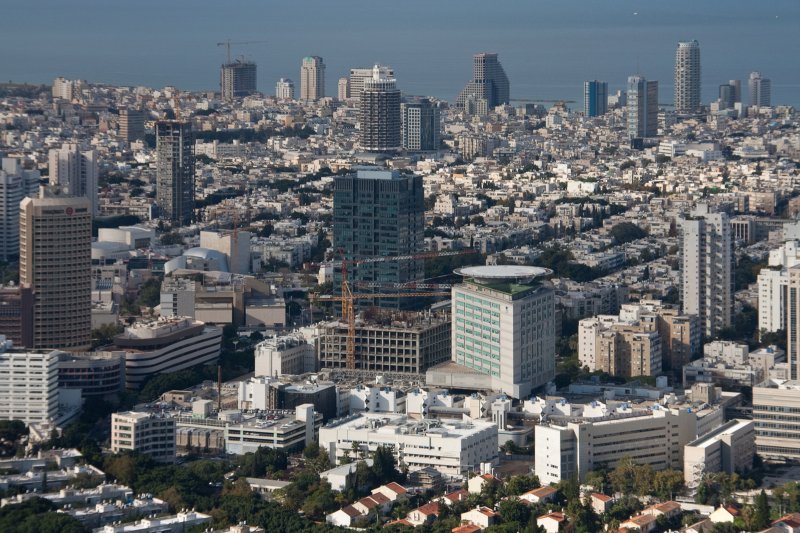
(380, 213)
(284, 89)
(312, 79)
(75, 170)
(28, 384)
(727, 96)
(642, 107)
(760, 90)
(15, 184)
(175, 171)
(237, 79)
(421, 125)
(737, 90)
(66, 89)
(489, 82)
(131, 124)
(775, 407)
(687, 77)
(55, 261)
(504, 327)
(707, 260)
(343, 89)
(358, 76)
(773, 283)
(595, 98)
(379, 112)
(793, 322)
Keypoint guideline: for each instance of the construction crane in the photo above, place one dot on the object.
(227, 44)
(348, 297)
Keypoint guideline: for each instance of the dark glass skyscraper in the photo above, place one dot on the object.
(379, 213)
(237, 79)
(421, 125)
(489, 82)
(642, 107)
(595, 98)
(175, 171)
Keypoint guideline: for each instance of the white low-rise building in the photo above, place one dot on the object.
(729, 448)
(143, 433)
(175, 524)
(28, 384)
(290, 354)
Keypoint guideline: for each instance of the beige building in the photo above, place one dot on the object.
(143, 433)
(776, 408)
(55, 263)
(729, 448)
(312, 79)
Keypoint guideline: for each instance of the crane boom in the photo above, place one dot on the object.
(227, 44)
(410, 285)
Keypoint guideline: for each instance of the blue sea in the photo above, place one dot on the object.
(547, 47)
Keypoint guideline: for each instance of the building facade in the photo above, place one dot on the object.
(237, 79)
(379, 113)
(16, 183)
(284, 89)
(776, 408)
(595, 98)
(421, 125)
(359, 76)
(760, 90)
(143, 433)
(489, 82)
(75, 170)
(687, 77)
(28, 385)
(131, 124)
(289, 354)
(730, 448)
(642, 107)
(55, 265)
(175, 171)
(312, 79)
(343, 89)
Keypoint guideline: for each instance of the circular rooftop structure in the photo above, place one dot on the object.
(495, 273)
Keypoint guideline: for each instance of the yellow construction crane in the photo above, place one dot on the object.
(227, 44)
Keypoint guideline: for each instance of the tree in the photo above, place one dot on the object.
(150, 293)
(761, 511)
(582, 517)
(514, 510)
(667, 483)
(626, 232)
(384, 465)
(520, 484)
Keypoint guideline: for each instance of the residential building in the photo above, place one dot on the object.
(481, 516)
(343, 89)
(642, 107)
(16, 315)
(729, 448)
(595, 98)
(793, 323)
(284, 89)
(237, 79)
(707, 261)
(289, 354)
(28, 385)
(687, 77)
(312, 79)
(421, 125)
(504, 327)
(75, 171)
(760, 90)
(773, 286)
(166, 345)
(55, 265)
(16, 183)
(452, 447)
(379, 112)
(489, 83)
(178, 523)
(552, 522)
(143, 433)
(131, 124)
(775, 407)
(359, 76)
(175, 171)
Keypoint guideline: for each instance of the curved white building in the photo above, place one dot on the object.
(167, 345)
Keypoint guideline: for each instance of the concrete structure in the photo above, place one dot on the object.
(175, 171)
(504, 327)
(343, 89)
(452, 447)
(75, 171)
(268, 394)
(642, 107)
(420, 125)
(166, 345)
(379, 113)
(131, 124)
(760, 90)
(793, 323)
(489, 83)
(179, 523)
(55, 264)
(143, 433)
(595, 98)
(359, 76)
(16, 183)
(312, 79)
(729, 448)
(773, 287)
(237, 79)
(707, 261)
(96, 374)
(379, 213)
(687, 77)
(775, 407)
(234, 245)
(28, 385)
(284, 89)
(288, 354)
(16, 315)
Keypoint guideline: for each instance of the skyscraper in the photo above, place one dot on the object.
(359, 76)
(489, 82)
(55, 262)
(793, 322)
(707, 261)
(343, 89)
(379, 112)
(760, 90)
(284, 89)
(421, 125)
(312, 79)
(75, 170)
(131, 124)
(15, 184)
(642, 107)
(687, 77)
(380, 213)
(727, 96)
(175, 171)
(595, 98)
(237, 79)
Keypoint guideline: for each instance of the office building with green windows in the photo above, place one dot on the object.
(504, 327)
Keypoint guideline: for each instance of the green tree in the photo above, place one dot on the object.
(513, 510)
(761, 511)
(667, 484)
(384, 465)
(626, 232)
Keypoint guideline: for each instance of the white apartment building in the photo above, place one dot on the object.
(143, 433)
(504, 327)
(76, 170)
(289, 354)
(776, 413)
(452, 447)
(284, 89)
(15, 184)
(773, 283)
(28, 385)
(729, 448)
